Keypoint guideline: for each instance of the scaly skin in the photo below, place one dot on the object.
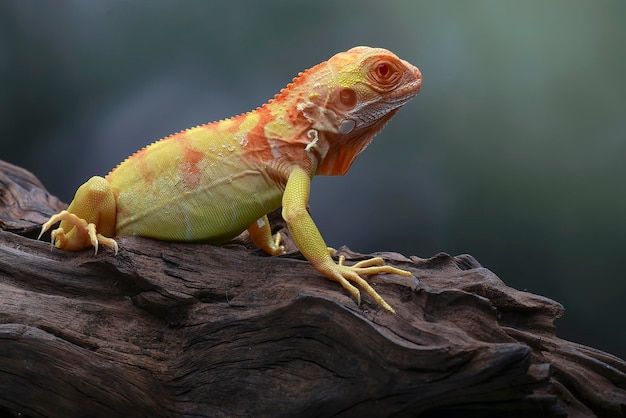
(211, 182)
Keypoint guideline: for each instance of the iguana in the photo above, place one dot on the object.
(211, 182)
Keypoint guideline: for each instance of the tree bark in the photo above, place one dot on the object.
(191, 330)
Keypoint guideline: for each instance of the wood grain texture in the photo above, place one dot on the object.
(191, 330)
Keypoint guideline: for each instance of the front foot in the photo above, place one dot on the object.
(346, 274)
(82, 235)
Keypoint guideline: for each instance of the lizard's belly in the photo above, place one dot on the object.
(212, 202)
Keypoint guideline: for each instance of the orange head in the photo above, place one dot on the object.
(350, 99)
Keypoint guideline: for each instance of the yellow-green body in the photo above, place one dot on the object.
(211, 182)
(212, 199)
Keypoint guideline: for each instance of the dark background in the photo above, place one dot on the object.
(514, 151)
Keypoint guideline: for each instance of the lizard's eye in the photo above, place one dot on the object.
(383, 70)
(385, 73)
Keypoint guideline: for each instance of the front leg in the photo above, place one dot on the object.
(310, 242)
(88, 221)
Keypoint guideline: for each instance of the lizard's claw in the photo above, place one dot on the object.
(80, 236)
(261, 235)
(346, 274)
(278, 247)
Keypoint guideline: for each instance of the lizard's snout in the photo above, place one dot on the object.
(418, 75)
(417, 83)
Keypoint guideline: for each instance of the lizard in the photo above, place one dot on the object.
(211, 182)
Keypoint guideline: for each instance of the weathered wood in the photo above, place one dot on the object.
(172, 329)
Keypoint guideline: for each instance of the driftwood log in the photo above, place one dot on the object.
(192, 330)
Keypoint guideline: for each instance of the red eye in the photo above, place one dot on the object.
(384, 73)
(383, 70)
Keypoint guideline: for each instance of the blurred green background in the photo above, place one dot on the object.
(514, 151)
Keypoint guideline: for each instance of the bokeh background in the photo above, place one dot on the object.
(514, 151)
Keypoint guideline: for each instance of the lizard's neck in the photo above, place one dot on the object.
(301, 126)
(281, 132)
